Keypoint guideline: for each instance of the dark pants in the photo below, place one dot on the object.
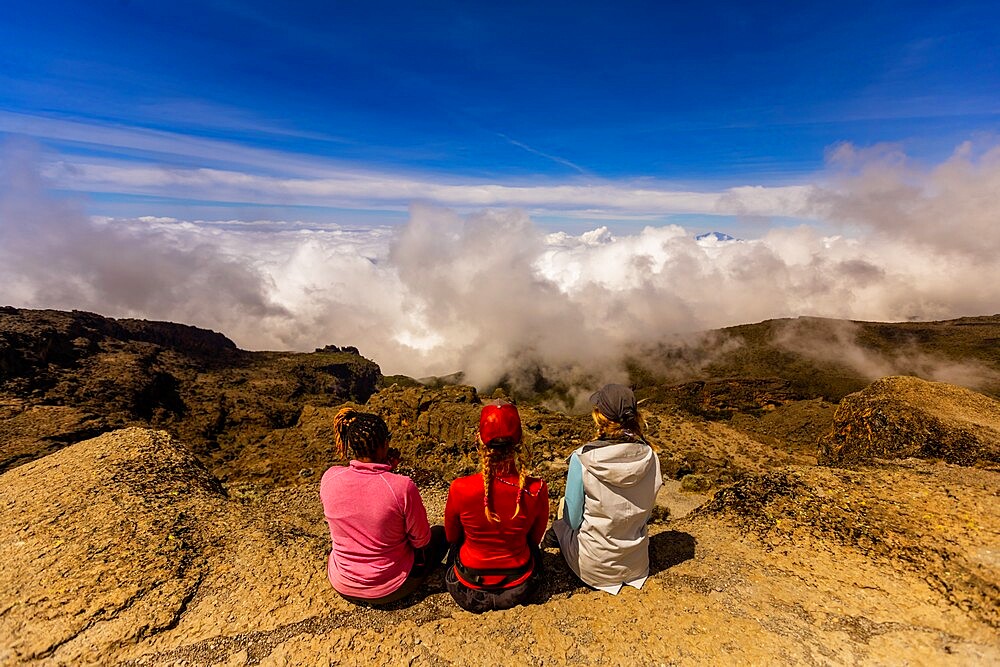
(424, 562)
(478, 600)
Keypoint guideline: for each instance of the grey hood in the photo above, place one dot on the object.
(619, 464)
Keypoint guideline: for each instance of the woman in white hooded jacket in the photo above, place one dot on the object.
(610, 493)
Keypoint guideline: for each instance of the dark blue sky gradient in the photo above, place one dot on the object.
(688, 93)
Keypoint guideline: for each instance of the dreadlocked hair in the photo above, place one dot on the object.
(500, 451)
(359, 433)
(630, 430)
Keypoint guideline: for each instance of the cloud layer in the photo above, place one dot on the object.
(491, 294)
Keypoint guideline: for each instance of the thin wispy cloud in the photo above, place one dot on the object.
(267, 177)
(223, 118)
(547, 156)
(144, 145)
(359, 190)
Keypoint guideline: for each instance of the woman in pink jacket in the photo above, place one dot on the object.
(382, 545)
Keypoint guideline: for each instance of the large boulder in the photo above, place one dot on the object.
(98, 545)
(900, 417)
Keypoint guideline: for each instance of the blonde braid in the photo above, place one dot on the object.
(486, 456)
(341, 422)
(520, 458)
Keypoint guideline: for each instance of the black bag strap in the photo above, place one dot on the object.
(509, 574)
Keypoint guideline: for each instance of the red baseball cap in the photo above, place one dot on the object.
(499, 421)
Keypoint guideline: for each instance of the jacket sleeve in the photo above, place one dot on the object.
(418, 530)
(541, 515)
(573, 511)
(453, 517)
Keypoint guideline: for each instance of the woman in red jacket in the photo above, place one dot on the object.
(495, 520)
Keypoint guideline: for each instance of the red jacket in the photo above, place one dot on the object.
(489, 545)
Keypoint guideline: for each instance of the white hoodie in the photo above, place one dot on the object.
(620, 481)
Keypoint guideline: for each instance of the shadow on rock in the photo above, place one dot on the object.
(557, 579)
(669, 548)
(427, 595)
(666, 550)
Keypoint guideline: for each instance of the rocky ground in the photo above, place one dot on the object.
(159, 495)
(125, 549)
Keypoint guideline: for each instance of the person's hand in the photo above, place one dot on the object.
(392, 457)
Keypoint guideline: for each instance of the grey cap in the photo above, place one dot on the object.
(616, 402)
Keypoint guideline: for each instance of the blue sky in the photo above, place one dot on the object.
(622, 113)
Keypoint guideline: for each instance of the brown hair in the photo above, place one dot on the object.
(611, 430)
(359, 433)
(500, 451)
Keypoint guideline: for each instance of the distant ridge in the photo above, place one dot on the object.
(67, 376)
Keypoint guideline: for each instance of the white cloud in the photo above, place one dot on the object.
(360, 190)
(488, 292)
(953, 207)
(158, 163)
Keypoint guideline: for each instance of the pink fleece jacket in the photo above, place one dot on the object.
(376, 521)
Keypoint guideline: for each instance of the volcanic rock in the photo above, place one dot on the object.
(28, 432)
(899, 417)
(434, 429)
(195, 383)
(96, 545)
(720, 399)
(122, 549)
(937, 520)
(207, 544)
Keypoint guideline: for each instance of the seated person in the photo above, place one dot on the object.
(494, 520)
(611, 489)
(382, 544)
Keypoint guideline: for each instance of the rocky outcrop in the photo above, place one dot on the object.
(434, 429)
(207, 544)
(37, 344)
(192, 382)
(125, 545)
(936, 520)
(98, 545)
(721, 399)
(899, 417)
(182, 338)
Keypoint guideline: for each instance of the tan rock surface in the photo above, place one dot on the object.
(123, 549)
(97, 547)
